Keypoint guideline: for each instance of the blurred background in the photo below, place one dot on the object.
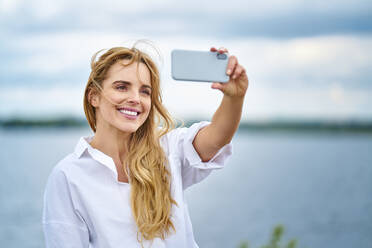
(302, 155)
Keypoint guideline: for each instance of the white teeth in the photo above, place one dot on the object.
(128, 112)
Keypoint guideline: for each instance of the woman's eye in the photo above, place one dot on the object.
(121, 87)
(146, 92)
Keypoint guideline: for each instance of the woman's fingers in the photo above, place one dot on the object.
(238, 71)
(233, 62)
(219, 50)
(222, 50)
(217, 86)
(213, 49)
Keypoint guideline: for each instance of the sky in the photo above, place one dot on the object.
(304, 59)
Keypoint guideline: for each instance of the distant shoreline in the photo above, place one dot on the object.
(270, 125)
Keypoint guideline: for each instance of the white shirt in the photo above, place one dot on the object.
(86, 206)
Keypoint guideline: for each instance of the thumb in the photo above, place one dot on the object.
(218, 86)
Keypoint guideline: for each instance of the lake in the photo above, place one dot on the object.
(317, 184)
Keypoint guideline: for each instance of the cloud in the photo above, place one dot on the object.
(49, 59)
(284, 19)
(301, 57)
(295, 78)
(310, 62)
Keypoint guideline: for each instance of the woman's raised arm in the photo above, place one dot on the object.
(226, 119)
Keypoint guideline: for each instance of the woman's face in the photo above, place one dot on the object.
(127, 97)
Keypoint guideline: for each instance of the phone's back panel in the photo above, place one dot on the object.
(199, 66)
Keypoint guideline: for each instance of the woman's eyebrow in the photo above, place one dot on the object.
(129, 83)
(121, 81)
(147, 86)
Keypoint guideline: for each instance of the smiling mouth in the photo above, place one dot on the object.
(129, 112)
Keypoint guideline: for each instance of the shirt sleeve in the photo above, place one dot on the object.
(193, 170)
(63, 226)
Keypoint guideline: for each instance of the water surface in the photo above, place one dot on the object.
(318, 185)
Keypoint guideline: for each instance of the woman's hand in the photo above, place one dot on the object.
(225, 120)
(238, 83)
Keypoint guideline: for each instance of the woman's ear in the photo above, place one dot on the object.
(93, 97)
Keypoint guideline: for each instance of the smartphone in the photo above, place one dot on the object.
(199, 66)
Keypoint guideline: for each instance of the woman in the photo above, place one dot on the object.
(123, 187)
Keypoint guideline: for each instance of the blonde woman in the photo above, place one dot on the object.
(124, 186)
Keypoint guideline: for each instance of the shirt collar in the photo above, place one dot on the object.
(97, 155)
(82, 145)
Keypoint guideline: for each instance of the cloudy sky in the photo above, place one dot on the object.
(305, 59)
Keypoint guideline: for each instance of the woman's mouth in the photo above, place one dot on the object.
(131, 114)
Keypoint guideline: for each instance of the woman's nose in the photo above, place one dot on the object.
(134, 98)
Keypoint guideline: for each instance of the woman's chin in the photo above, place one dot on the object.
(128, 129)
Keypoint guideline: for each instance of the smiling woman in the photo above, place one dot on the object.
(124, 186)
(126, 98)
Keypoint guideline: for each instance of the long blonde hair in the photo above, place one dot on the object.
(145, 164)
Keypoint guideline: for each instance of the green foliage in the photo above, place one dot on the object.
(244, 245)
(274, 242)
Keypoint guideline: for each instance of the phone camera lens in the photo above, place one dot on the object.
(221, 56)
